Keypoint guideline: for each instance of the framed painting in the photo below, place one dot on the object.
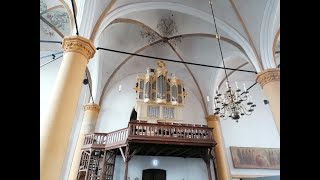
(255, 158)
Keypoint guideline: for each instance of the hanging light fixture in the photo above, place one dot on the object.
(232, 103)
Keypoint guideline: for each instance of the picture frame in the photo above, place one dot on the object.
(255, 157)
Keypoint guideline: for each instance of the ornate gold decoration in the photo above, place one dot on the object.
(80, 45)
(161, 64)
(212, 117)
(92, 107)
(161, 70)
(267, 76)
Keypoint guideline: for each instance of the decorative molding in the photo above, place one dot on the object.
(266, 33)
(212, 117)
(91, 107)
(80, 45)
(267, 76)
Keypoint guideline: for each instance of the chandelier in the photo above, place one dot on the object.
(232, 103)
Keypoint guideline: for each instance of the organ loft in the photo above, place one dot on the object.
(159, 130)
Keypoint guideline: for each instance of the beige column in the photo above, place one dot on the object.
(91, 112)
(270, 82)
(223, 171)
(62, 107)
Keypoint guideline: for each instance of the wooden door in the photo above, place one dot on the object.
(153, 174)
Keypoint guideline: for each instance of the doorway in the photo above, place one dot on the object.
(154, 174)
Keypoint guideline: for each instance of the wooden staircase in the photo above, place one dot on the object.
(110, 161)
(97, 165)
(140, 138)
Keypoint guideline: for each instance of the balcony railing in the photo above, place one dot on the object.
(117, 138)
(97, 140)
(174, 133)
(143, 132)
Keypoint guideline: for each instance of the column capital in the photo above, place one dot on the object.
(91, 106)
(268, 75)
(212, 117)
(80, 45)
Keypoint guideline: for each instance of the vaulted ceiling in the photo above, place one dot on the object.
(182, 30)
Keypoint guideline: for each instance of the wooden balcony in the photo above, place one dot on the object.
(180, 134)
(106, 141)
(146, 139)
(148, 133)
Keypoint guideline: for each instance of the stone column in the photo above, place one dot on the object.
(62, 107)
(91, 112)
(269, 80)
(223, 170)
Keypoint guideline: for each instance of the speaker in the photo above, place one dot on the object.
(85, 81)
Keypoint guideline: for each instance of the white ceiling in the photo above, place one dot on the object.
(124, 34)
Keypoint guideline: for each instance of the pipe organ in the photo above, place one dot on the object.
(160, 98)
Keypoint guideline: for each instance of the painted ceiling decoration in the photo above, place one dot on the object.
(57, 18)
(167, 28)
(43, 6)
(46, 29)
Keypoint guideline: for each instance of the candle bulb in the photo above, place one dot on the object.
(244, 87)
(208, 99)
(120, 88)
(217, 90)
(236, 85)
(227, 84)
(214, 104)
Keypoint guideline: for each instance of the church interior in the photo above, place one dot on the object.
(159, 90)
